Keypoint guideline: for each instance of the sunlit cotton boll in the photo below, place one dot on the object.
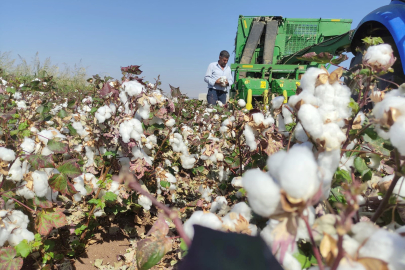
(133, 88)
(40, 183)
(379, 57)
(131, 129)
(170, 122)
(7, 154)
(219, 202)
(145, 202)
(103, 113)
(144, 110)
(311, 120)
(277, 102)
(250, 138)
(241, 103)
(302, 182)
(208, 220)
(308, 80)
(397, 135)
(263, 193)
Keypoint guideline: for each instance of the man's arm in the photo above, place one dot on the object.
(229, 77)
(208, 77)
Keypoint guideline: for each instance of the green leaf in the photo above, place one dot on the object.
(200, 169)
(354, 106)
(165, 184)
(371, 41)
(361, 166)
(10, 90)
(49, 245)
(39, 161)
(7, 260)
(94, 201)
(110, 153)
(42, 202)
(93, 110)
(61, 183)
(378, 143)
(343, 176)
(229, 160)
(72, 130)
(13, 132)
(26, 133)
(304, 260)
(62, 114)
(110, 196)
(243, 192)
(56, 146)
(70, 168)
(23, 248)
(289, 127)
(48, 219)
(150, 251)
(23, 126)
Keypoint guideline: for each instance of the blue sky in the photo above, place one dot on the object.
(174, 39)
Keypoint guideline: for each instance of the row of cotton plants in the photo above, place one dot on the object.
(318, 178)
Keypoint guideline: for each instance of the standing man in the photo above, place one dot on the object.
(218, 78)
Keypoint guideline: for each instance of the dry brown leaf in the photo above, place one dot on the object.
(299, 104)
(335, 75)
(357, 122)
(322, 79)
(328, 248)
(373, 264)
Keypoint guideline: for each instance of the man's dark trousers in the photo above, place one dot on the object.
(214, 95)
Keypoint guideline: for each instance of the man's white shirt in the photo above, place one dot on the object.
(215, 71)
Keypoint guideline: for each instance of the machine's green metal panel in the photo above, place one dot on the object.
(294, 38)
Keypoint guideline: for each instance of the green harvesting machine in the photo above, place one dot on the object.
(269, 50)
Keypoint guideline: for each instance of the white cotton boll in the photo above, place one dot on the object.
(219, 202)
(397, 135)
(363, 230)
(90, 156)
(28, 145)
(287, 114)
(302, 182)
(144, 110)
(40, 183)
(114, 187)
(145, 202)
(399, 189)
(250, 138)
(4, 235)
(375, 161)
(51, 195)
(133, 88)
(328, 162)
(131, 129)
(25, 191)
(263, 193)
(328, 113)
(380, 57)
(309, 78)
(138, 152)
(258, 118)
(103, 113)
(46, 151)
(281, 125)
(21, 105)
(333, 136)
(268, 121)
(389, 102)
(311, 120)
(15, 172)
(300, 134)
(237, 181)
(350, 245)
(205, 193)
(277, 102)
(79, 129)
(17, 95)
(170, 122)
(7, 154)
(386, 246)
(346, 163)
(243, 209)
(325, 93)
(208, 220)
(273, 164)
(241, 103)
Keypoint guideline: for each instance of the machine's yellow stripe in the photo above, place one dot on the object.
(244, 22)
(335, 20)
(247, 66)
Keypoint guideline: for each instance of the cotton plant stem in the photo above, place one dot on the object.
(17, 201)
(171, 214)
(340, 254)
(314, 247)
(289, 139)
(381, 208)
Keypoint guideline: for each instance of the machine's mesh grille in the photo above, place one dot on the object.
(300, 36)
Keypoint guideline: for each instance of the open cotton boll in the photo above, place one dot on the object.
(241, 103)
(250, 138)
(103, 113)
(302, 182)
(46, 151)
(80, 129)
(25, 191)
(51, 195)
(170, 122)
(277, 102)
(290, 262)
(19, 235)
(15, 172)
(325, 93)
(380, 57)
(131, 129)
(145, 202)
(363, 230)
(273, 164)
(308, 80)
(263, 194)
(28, 145)
(243, 209)
(300, 134)
(138, 152)
(219, 202)
(397, 135)
(268, 121)
(311, 120)
(144, 110)
(328, 162)
(386, 246)
(40, 183)
(389, 102)
(208, 220)
(333, 136)
(258, 118)
(7, 154)
(133, 88)
(205, 193)
(287, 114)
